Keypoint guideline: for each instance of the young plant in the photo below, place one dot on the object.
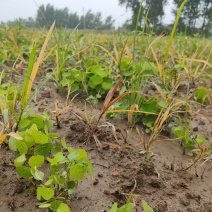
(38, 147)
(128, 207)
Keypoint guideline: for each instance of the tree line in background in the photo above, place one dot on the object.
(195, 18)
(46, 15)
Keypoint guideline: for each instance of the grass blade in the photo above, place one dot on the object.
(173, 31)
(38, 62)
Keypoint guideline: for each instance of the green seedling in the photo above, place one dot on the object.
(35, 148)
(128, 207)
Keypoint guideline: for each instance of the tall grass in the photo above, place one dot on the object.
(173, 31)
(31, 73)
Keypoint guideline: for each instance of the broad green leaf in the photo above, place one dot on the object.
(73, 156)
(12, 144)
(78, 75)
(19, 161)
(114, 207)
(55, 204)
(81, 154)
(38, 175)
(71, 184)
(36, 161)
(95, 68)
(43, 149)
(163, 104)
(107, 84)
(57, 159)
(53, 161)
(29, 141)
(24, 171)
(200, 139)
(149, 105)
(146, 207)
(48, 182)
(102, 73)
(63, 208)
(21, 146)
(53, 135)
(201, 95)
(77, 172)
(57, 148)
(65, 82)
(46, 193)
(94, 81)
(180, 132)
(39, 137)
(128, 207)
(54, 169)
(39, 121)
(24, 123)
(74, 87)
(66, 74)
(33, 127)
(125, 63)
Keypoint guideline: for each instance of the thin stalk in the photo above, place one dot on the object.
(173, 31)
(135, 33)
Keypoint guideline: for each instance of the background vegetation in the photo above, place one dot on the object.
(196, 17)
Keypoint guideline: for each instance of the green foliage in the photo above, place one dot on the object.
(201, 95)
(187, 140)
(96, 80)
(45, 193)
(9, 95)
(33, 152)
(94, 63)
(146, 207)
(128, 207)
(41, 121)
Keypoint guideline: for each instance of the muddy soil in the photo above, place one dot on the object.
(119, 165)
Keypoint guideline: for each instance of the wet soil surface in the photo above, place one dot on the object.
(119, 165)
